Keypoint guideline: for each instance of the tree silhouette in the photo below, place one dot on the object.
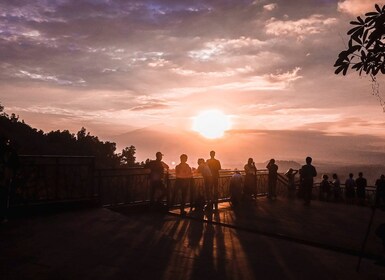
(366, 48)
(127, 157)
(30, 141)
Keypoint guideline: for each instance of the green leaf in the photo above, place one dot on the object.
(369, 20)
(364, 37)
(353, 30)
(343, 54)
(375, 70)
(339, 69)
(372, 14)
(345, 70)
(357, 66)
(355, 23)
(355, 48)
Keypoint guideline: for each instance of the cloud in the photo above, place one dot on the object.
(357, 7)
(49, 78)
(149, 107)
(270, 7)
(314, 24)
(287, 77)
(226, 47)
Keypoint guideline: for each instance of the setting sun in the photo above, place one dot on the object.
(211, 124)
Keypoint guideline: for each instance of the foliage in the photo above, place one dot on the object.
(30, 141)
(366, 48)
(127, 157)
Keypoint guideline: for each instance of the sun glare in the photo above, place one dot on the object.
(211, 124)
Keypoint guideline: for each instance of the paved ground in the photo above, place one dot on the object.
(270, 240)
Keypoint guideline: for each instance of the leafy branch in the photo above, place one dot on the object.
(366, 47)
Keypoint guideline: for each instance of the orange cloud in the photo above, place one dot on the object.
(312, 25)
(356, 7)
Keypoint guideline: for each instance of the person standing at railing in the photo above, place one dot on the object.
(215, 166)
(361, 184)
(308, 172)
(183, 175)
(350, 189)
(157, 171)
(272, 178)
(336, 188)
(205, 171)
(250, 186)
(236, 184)
(290, 174)
(325, 188)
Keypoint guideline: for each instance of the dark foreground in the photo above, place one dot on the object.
(269, 240)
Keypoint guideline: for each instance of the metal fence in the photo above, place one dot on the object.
(51, 179)
(129, 186)
(47, 179)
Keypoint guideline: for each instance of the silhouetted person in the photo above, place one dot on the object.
(157, 171)
(214, 166)
(290, 174)
(308, 172)
(336, 184)
(272, 178)
(205, 171)
(361, 184)
(183, 175)
(236, 184)
(350, 189)
(9, 163)
(325, 188)
(250, 186)
(380, 192)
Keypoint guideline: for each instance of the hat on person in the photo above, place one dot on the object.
(159, 153)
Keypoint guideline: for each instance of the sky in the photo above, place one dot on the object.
(139, 72)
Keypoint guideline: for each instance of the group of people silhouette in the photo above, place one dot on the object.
(208, 169)
(240, 189)
(354, 192)
(244, 187)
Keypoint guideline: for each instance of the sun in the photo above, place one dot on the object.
(211, 124)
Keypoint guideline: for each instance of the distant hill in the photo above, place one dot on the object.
(371, 171)
(283, 165)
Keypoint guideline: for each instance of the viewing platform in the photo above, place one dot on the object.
(280, 239)
(69, 220)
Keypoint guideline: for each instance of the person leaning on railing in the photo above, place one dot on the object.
(290, 174)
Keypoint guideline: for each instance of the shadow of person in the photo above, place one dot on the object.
(195, 230)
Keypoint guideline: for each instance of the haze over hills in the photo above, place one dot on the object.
(330, 152)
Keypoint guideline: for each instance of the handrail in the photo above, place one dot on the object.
(47, 179)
